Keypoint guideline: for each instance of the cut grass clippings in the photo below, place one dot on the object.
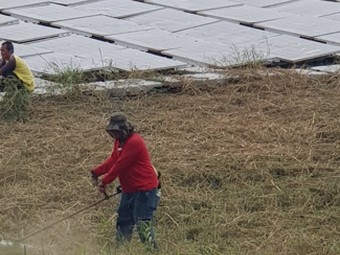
(248, 167)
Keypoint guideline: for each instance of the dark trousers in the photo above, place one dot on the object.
(137, 209)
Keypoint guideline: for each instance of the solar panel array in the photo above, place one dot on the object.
(163, 34)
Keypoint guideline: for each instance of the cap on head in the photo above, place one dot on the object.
(117, 121)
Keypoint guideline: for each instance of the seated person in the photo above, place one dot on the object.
(14, 70)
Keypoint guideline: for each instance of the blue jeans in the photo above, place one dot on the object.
(137, 208)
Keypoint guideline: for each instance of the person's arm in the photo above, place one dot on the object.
(8, 67)
(127, 158)
(107, 164)
(3, 62)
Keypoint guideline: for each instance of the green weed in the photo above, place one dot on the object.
(14, 103)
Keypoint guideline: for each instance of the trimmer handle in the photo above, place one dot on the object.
(106, 196)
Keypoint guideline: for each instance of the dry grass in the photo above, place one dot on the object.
(249, 167)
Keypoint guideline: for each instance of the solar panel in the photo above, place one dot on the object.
(76, 45)
(315, 8)
(47, 13)
(228, 33)
(129, 60)
(29, 50)
(294, 49)
(194, 6)
(171, 20)
(20, 3)
(200, 32)
(25, 32)
(287, 48)
(306, 26)
(245, 14)
(71, 2)
(56, 63)
(215, 54)
(331, 38)
(335, 16)
(152, 40)
(117, 8)
(100, 25)
(6, 20)
(106, 54)
(264, 3)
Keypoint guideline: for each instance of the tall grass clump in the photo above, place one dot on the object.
(246, 56)
(14, 103)
(67, 81)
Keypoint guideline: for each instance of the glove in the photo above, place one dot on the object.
(94, 179)
(102, 188)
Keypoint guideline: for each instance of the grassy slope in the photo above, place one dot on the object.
(251, 167)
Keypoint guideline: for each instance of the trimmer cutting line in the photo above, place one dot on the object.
(9, 243)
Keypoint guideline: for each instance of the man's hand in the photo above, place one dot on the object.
(94, 179)
(102, 188)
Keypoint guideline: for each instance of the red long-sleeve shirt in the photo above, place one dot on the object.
(131, 164)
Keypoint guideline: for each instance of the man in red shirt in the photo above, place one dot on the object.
(130, 162)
